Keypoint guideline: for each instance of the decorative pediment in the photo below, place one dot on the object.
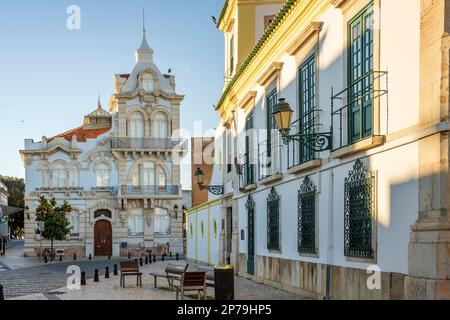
(313, 29)
(271, 73)
(248, 100)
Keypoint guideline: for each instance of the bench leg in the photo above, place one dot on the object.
(140, 281)
(177, 294)
(182, 294)
(156, 285)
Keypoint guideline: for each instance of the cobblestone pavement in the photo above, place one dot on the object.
(109, 289)
(47, 277)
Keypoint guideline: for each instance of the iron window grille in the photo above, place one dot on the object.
(273, 220)
(307, 217)
(358, 211)
(250, 206)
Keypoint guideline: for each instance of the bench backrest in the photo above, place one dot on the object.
(176, 270)
(129, 266)
(193, 279)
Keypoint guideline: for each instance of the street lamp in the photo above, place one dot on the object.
(175, 210)
(282, 114)
(215, 189)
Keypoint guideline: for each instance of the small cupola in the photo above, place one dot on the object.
(98, 119)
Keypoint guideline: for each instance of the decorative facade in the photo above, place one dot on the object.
(360, 182)
(120, 170)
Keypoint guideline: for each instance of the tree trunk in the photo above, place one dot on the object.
(51, 251)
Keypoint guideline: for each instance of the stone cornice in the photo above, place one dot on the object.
(157, 93)
(339, 3)
(270, 74)
(313, 29)
(247, 100)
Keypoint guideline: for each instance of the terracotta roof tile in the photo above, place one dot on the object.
(81, 134)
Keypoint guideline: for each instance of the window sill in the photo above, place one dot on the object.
(250, 187)
(305, 166)
(359, 146)
(271, 179)
(361, 260)
(308, 255)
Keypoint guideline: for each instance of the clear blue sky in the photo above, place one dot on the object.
(50, 76)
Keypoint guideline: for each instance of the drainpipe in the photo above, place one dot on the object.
(330, 237)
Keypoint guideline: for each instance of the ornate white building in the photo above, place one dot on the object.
(120, 170)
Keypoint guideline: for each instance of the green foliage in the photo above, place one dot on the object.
(56, 224)
(16, 190)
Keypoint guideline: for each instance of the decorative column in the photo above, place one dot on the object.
(429, 247)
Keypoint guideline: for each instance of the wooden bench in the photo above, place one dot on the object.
(130, 268)
(192, 281)
(172, 273)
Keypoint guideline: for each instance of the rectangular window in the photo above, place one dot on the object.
(272, 100)
(75, 224)
(307, 217)
(249, 168)
(358, 211)
(229, 152)
(360, 65)
(231, 66)
(162, 221)
(136, 225)
(273, 221)
(306, 123)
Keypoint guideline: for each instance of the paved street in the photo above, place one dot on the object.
(48, 283)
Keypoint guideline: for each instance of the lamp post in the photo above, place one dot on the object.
(214, 189)
(314, 141)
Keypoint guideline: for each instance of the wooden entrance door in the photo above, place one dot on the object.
(102, 238)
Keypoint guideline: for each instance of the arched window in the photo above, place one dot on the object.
(162, 221)
(102, 171)
(149, 174)
(74, 224)
(74, 176)
(160, 125)
(59, 176)
(136, 125)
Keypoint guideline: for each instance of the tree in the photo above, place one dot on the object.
(56, 224)
(16, 190)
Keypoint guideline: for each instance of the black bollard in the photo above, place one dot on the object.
(154, 258)
(45, 259)
(107, 273)
(115, 270)
(109, 257)
(149, 259)
(83, 278)
(170, 254)
(2, 297)
(96, 276)
(60, 258)
(177, 256)
(129, 256)
(74, 256)
(162, 257)
(140, 262)
(90, 256)
(146, 259)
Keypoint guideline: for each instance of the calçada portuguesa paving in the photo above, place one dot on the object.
(49, 282)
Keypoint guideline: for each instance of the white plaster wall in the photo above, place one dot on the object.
(215, 215)
(202, 239)
(191, 239)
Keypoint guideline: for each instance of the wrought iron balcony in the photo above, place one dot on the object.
(302, 150)
(269, 156)
(168, 190)
(158, 144)
(355, 111)
(248, 172)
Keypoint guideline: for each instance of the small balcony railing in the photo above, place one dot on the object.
(269, 156)
(248, 172)
(167, 190)
(298, 152)
(165, 144)
(353, 110)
